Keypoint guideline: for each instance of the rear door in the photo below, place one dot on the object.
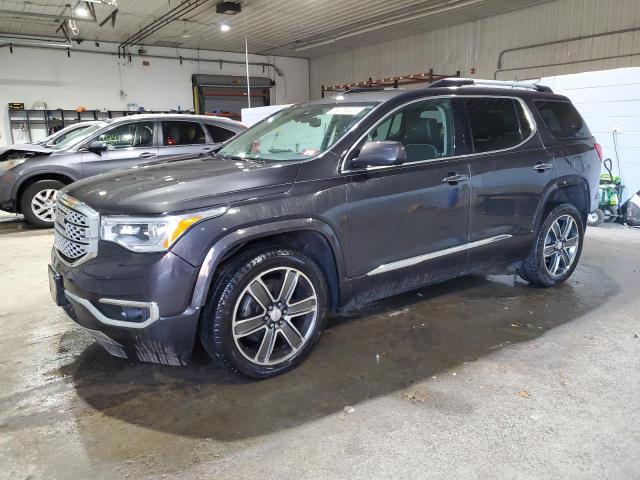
(182, 137)
(407, 223)
(129, 144)
(510, 169)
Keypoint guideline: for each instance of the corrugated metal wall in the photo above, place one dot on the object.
(479, 44)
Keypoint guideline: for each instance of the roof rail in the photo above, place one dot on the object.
(464, 82)
(363, 89)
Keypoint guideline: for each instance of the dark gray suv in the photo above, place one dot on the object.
(31, 175)
(320, 207)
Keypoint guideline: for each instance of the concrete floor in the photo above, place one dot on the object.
(476, 378)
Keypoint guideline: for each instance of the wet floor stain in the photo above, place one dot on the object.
(383, 347)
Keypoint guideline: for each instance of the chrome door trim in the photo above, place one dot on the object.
(527, 113)
(408, 262)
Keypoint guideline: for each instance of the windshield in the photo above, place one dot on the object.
(297, 133)
(76, 137)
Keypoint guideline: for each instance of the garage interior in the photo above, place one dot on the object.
(477, 377)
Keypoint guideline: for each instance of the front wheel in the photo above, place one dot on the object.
(38, 201)
(266, 312)
(557, 248)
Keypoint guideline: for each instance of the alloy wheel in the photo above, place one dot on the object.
(561, 246)
(275, 316)
(43, 203)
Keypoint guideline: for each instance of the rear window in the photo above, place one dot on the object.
(562, 119)
(219, 134)
(496, 123)
(182, 133)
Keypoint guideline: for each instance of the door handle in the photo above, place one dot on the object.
(542, 167)
(454, 178)
(148, 155)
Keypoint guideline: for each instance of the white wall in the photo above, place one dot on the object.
(609, 101)
(95, 80)
(477, 44)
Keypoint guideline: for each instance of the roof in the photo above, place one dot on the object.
(179, 116)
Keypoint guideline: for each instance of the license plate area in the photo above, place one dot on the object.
(56, 287)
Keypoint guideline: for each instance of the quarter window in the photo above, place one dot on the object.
(562, 119)
(219, 134)
(426, 129)
(182, 133)
(496, 123)
(129, 135)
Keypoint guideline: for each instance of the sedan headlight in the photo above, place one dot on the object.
(152, 234)
(9, 164)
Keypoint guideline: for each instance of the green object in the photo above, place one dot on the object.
(609, 188)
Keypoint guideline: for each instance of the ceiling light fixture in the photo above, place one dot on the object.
(73, 27)
(81, 10)
(185, 32)
(224, 27)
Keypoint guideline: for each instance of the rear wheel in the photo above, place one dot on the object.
(38, 201)
(266, 312)
(557, 248)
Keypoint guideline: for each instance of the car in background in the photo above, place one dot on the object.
(70, 131)
(31, 175)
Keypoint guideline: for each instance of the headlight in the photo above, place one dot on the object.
(151, 234)
(9, 164)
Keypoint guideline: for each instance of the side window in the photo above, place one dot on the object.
(129, 135)
(496, 123)
(562, 119)
(182, 133)
(219, 134)
(426, 129)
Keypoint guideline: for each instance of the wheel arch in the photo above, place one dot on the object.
(312, 237)
(36, 177)
(570, 189)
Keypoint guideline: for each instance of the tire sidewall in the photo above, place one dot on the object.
(27, 196)
(227, 296)
(565, 209)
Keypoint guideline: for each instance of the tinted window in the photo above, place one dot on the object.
(182, 133)
(219, 134)
(562, 119)
(426, 129)
(496, 123)
(138, 134)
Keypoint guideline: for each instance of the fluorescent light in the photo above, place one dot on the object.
(73, 27)
(224, 27)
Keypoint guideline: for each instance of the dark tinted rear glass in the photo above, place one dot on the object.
(562, 119)
(182, 133)
(496, 123)
(219, 134)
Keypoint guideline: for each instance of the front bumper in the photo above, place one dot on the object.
(157, 334)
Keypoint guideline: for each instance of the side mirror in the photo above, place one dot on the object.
(380, 154)
(98, 147)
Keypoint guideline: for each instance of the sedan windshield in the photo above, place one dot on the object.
(73, 138)
(297, 133)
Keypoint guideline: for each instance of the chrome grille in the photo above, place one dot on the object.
(76, 230)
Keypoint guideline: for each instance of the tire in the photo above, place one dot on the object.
(596, 218)
(237, 296)
(610, 214)
(558, 240)
(41, 193)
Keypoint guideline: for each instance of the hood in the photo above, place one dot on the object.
(28, 149)
(184, 185)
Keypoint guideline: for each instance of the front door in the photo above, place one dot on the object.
(510, 169)
(128, 144)
(408, 223)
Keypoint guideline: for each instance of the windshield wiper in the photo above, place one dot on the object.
(230, 157)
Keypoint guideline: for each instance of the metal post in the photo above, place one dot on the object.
(246, 59)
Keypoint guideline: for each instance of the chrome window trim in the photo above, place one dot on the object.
(154, 312)
(409, 262)
(527, 112)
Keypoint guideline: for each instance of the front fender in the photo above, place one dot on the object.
(242, 235)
